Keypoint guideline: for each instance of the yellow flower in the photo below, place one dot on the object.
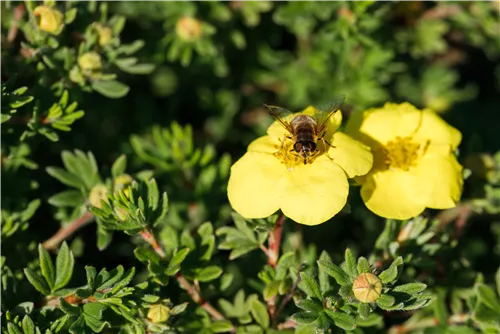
(270, 177)
(189, 29)
(49, 19)
(414, 166)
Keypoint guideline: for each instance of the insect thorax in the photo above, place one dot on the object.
(303, 123)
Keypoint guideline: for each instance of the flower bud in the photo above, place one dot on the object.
(158, 313)
(98, 193)
(90, 63)
(105, 33)
(122, 181)
(49, 19)
(189, 29)
(367, 288)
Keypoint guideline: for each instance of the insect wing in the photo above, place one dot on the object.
(326, 110)
(281, 115)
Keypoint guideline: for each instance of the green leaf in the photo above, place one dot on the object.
(72, 198)
(119, 166)
(91, 275)
(38, 282)
(350, 263)
(209, 273)
(221, 326)
(68, 308)
(363, 265)
(309, 285)
(13, 329)
(342, 320)
(487, 296)
(410, 288)
(285, 261)
(259, 313)
(364, 310)
(65, 177)
(385, 301)
(139, 69)
(304, 317)
(46, 266)
(335, 271)
(271, 289)
(174, 264)
(497, 279)
(111, 88)
(323, 323)
(70, 15)
(64, 264)
(312, 305)
(28, 325)
(391, 273)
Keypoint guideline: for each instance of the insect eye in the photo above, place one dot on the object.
(297, 147)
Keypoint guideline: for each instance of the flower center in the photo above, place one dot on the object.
(289, 156)
(401, 153)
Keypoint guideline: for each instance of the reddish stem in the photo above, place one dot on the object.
(273, 252)
(18, 14)
(150, 238)
(67, 230)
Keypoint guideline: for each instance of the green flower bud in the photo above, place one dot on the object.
(49, 19)
(367, 288)
(98, 193)
(158, 313)
(122, 181)
(189, 29)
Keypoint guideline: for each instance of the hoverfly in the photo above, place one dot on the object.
(306, 131)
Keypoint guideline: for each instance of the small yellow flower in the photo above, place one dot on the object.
(414, 166)
(189, 29)
(99, 192)
(49, 19)
(269, 177)
(105, 33)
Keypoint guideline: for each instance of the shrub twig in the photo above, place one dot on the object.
(67, 230)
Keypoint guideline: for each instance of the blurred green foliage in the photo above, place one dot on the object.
(126, 116)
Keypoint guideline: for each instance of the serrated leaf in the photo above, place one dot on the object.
(410, 288)
(64, 266)
(350, 263)
(309, 285)
(304, 317)
(37, 281)
(335, 271)
(363, 265)
(487, 296)
(209, 273)
(310, 305)
(111, 88)
(259, 313)
(46, 266)
(342, 320)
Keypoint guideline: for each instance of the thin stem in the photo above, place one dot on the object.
(454, 319)
(150, 238)
(273, 252)
(288, 296)
(66, 231)
(18, 14)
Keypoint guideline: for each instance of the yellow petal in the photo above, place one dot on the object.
(354, 157)
(265, 144)
(312, 194)
(434, 128)
(253, 185)
(391, 121)
(395, 194)
(443, 176)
